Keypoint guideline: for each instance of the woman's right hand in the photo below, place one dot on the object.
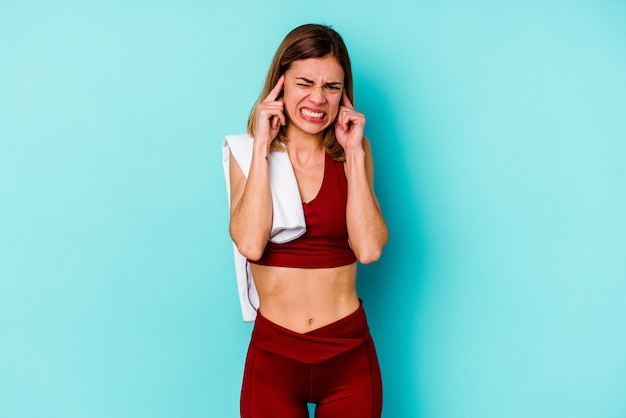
(269, 115)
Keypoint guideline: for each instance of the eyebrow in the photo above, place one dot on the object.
(332, 83)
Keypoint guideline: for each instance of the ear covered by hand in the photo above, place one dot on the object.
(349, 125)
(270, 114)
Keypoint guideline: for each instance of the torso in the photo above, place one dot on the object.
(304, 299)
(310, 178)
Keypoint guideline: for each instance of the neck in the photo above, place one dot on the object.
(295, 135)
(301, 146)
(303, 156)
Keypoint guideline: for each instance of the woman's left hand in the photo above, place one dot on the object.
(349, 125)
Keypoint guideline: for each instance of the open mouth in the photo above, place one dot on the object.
(311, 115)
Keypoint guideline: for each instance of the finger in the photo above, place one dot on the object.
(273, 95)
(345, 100)
(348, 115)
(281, 114)
(277, 122)
(276, 115)
(269, 109)
(343, 122)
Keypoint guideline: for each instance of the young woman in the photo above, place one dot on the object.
(311, 342)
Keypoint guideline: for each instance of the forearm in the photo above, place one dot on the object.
(367, 229)
(251, 217)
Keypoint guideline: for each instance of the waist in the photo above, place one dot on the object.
(315, 346)
(305, 299)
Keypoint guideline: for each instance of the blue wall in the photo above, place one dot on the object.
(499, 132)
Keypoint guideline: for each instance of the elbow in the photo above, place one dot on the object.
(247, 246)
(251, 252)
(370, 254)
(368, 257)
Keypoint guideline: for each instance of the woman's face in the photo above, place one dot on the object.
(312, 94)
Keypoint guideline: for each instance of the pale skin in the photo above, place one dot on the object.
(313, 99)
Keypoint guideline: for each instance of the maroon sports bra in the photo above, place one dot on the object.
(325, 242)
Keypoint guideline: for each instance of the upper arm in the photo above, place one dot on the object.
(237, 183)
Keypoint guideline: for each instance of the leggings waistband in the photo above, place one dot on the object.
(316, 346)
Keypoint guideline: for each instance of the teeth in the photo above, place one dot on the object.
(317, 115)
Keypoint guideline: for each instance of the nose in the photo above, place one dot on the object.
(317, 95)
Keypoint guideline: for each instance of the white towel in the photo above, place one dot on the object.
(287, 213)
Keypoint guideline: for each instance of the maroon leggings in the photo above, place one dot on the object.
(334, 367)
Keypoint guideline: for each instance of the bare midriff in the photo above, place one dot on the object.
(303, 299)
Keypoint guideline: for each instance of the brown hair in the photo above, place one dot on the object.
(307, 41)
